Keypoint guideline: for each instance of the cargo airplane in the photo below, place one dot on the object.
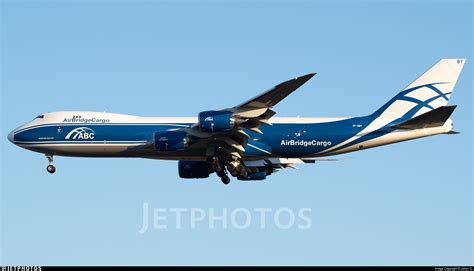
(247, 141)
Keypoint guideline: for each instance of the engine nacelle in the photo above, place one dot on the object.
(171, 141)
(194, 169)
(258, 176)
(216, 121)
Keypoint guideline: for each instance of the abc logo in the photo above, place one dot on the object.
(81, 133)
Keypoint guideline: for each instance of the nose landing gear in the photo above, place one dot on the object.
(50, 168)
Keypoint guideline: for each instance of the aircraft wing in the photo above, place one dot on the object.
(223, 136)
(258, 110)
(249, 116)
(264, 167)
(259, 169)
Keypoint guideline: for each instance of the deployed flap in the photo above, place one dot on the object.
(278, 93)
(433, 118)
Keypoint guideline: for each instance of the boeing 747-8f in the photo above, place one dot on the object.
(246, 141)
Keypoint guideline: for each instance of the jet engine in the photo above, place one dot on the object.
(171, 141)
(217, 121)
(194, 169)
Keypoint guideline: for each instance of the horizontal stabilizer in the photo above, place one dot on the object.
(433, 118)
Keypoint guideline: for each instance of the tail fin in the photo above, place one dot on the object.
(430, 91)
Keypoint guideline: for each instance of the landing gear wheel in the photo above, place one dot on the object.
(51, 169)
(225, 179)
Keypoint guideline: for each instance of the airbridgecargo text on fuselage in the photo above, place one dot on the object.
(84, 120)
(305, 143)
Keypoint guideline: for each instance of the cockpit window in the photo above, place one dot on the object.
(40, 117)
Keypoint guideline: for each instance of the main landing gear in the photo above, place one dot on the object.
(224, 178)
(50, 168)
(219, 168)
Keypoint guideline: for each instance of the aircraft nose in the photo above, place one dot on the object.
(11, 137)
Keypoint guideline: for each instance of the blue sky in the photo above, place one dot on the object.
(404, 204)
